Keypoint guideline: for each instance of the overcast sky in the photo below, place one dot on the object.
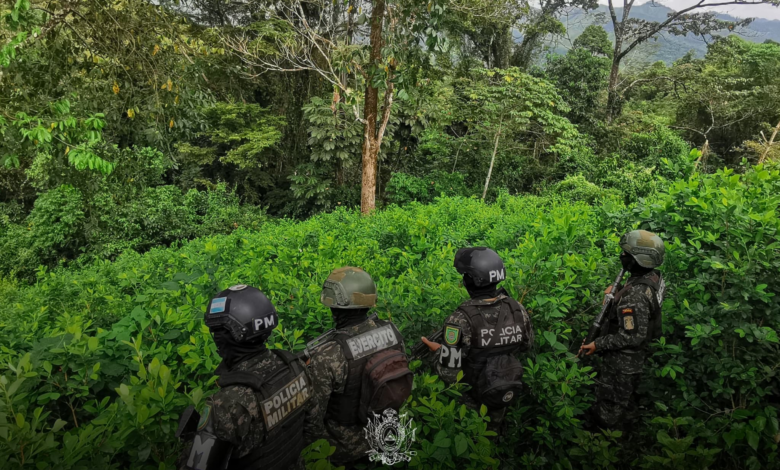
(741, 11)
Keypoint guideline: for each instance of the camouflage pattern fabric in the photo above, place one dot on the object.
(615, 400)
(236, 414)
(624, 349)
(328, 372)
(448, 370)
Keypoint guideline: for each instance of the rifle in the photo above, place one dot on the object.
(305, 355)
(421, 349)
(598, 322)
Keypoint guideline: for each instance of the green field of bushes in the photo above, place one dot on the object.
(98, 362)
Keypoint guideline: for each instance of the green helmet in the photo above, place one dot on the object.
(646, 248)
(349, 287)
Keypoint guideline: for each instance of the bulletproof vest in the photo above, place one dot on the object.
(658, 286)
(358, 348)
(503, 337)
(281, 393)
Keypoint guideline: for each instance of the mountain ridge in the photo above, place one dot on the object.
(666, 47)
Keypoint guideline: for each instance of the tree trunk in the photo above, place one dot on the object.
(371, 142)
(613, 107)
(525, 51)
(769, 144)
(492, 160)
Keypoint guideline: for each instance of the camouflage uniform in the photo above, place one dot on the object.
(236, 415)
(448, 369)
(328, 370)
(623, 348)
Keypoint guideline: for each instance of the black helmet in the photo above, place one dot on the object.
(243, 311)
(483, 265)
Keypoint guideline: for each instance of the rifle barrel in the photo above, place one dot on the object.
(595, 328)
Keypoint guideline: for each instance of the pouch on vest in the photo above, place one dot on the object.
(499, 383)
(387, 383)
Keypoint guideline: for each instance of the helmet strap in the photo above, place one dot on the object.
(477, 292)
(232, 352)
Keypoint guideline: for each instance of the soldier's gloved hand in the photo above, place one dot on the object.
(589, 348)
(431, 345)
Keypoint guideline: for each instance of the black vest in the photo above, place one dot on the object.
(358, 348)
(504, 337)
(281, 394)
(654, 281)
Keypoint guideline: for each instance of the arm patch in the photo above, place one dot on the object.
(627, 317)
(451, 335)
(450, 357)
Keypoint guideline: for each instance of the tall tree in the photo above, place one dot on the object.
(632, 32)
(543, 20)
(331, 43)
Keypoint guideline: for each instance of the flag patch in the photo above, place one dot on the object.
(218, 305)
(627, 311)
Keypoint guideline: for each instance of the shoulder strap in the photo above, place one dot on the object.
(253, 381)
(244, 378)
(290, 359)
(342, 338)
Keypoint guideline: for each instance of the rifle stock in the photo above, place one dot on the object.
(598, 322)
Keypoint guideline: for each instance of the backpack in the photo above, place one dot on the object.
(492, 369)
(499, 383)
(387, 383)
(377, 377)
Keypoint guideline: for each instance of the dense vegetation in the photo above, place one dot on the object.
(153, 153)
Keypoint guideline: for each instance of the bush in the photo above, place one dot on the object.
(65, 226)
(99, 362)
(403, 188)
(577, 188)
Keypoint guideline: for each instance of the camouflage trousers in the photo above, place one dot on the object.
(615, 398)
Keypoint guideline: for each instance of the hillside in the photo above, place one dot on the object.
(667, 47)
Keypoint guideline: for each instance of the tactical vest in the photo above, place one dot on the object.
(655, 327)
(281, 394)
(503, 337)
(358, 348)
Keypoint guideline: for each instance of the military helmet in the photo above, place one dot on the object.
(349, 287)
(483, 265)
(243, 311)
(646, 248)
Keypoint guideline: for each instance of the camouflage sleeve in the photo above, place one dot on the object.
(528, 330)
(328, 374)
(233, 409)
(313, 421)
(455, 346)
(633, 313)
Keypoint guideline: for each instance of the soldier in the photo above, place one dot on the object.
(483, 335)
(345, 362)
(256, 420)
(633, 322)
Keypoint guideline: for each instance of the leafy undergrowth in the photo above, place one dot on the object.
(98, 363)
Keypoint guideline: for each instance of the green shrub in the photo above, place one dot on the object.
(577, 188)
(99, 362)
(403, 188)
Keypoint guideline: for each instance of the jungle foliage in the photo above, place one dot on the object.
(99, 362)
(153, 153)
